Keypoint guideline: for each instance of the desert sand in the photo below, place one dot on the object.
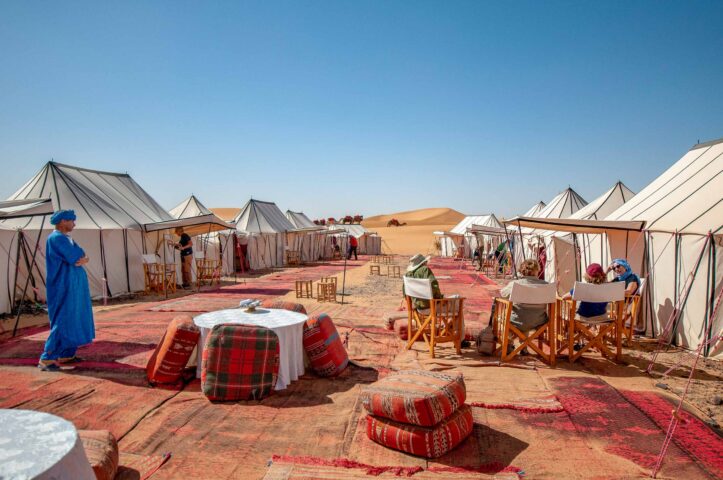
(226, 214)
(416, 236)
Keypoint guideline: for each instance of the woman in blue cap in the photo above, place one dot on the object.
(68, 294)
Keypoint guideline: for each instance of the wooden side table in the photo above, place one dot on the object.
(374, 270)
(328, 280)
(304, 289)
(293, 257)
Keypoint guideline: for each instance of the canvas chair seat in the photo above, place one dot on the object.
(528, 294)
(607, 338)
(442, 322)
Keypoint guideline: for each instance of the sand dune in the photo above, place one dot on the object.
(227, 214)
(409, 239)
(423, 216)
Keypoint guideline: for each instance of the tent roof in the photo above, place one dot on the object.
(100, 199)
(606, 203)
(685, 198)
(535, 210)
(486, 230)
(574, 225)
(197, 225)
(190, 207)
(26, 208)
(488, 220)
(563, 205)
(262, 217)
(354, 229)
(299, 220)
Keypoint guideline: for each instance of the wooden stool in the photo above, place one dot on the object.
(328, 280)
(394, 271)
(326, 292)
(304, 289)
(374, 270)
(387, 259)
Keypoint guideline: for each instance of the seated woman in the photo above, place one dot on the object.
(623, 273)
(588, 310)
(526, 317)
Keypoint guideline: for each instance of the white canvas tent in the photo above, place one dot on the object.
(263, 227)
(563, 205)
(299, 220)
(369, 242)
(190, 207)
(458, 237)
(563, 266)
(681, 251)
(535, 210)
(113, 212)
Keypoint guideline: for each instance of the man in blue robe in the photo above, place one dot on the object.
(68, 294)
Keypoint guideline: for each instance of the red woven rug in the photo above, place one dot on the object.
(608, 422)
(691, 435)
(314, 468)
(139, 467)
(196, 303)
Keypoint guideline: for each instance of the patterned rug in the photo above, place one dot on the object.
(610, 423)
(691, 435)
(315, 468)
(139, 467)
(195, 303)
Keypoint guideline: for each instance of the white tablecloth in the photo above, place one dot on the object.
(289, 326)
(40, 446)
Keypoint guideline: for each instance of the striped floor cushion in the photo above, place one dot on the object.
(280, 304)
(428, 442)
(172, 353)
(240, 362)
(325, 349)
(416, 397)
(101, 449)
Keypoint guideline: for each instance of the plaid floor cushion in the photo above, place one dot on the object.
(325, 349)
(416, 397)
(280, 304)
(240, 362)
(428, 442)
(101, 449)
(172, 353)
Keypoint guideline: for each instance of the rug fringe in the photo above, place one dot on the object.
(519, 408)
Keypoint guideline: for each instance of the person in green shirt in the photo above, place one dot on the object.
(418, 268)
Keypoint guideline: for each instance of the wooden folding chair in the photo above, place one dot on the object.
(533, 294)
(630, 313)
(152, 273)
(442, 322)
(577, 328)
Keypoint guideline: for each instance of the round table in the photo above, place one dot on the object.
(38, 445)
(288, 326)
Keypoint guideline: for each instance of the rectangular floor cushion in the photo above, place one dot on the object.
(282, 305)
(428, 442)
(173, 351)
(101, 449)
(240, 362)
(325, 349)
(416, 397)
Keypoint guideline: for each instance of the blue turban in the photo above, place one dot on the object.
(62, 215)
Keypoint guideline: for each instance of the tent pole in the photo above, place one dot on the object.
(343, 282)
(165, 281)
(30, 272)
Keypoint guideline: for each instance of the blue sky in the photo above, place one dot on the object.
(320, 106)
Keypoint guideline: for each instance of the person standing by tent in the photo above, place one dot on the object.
(353, 244)
(68, 294)
(185, 246)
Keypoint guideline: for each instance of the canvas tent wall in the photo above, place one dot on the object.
(263, 227)
(458, 237)
(299, 220)
(211, 243)
(681, 251)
